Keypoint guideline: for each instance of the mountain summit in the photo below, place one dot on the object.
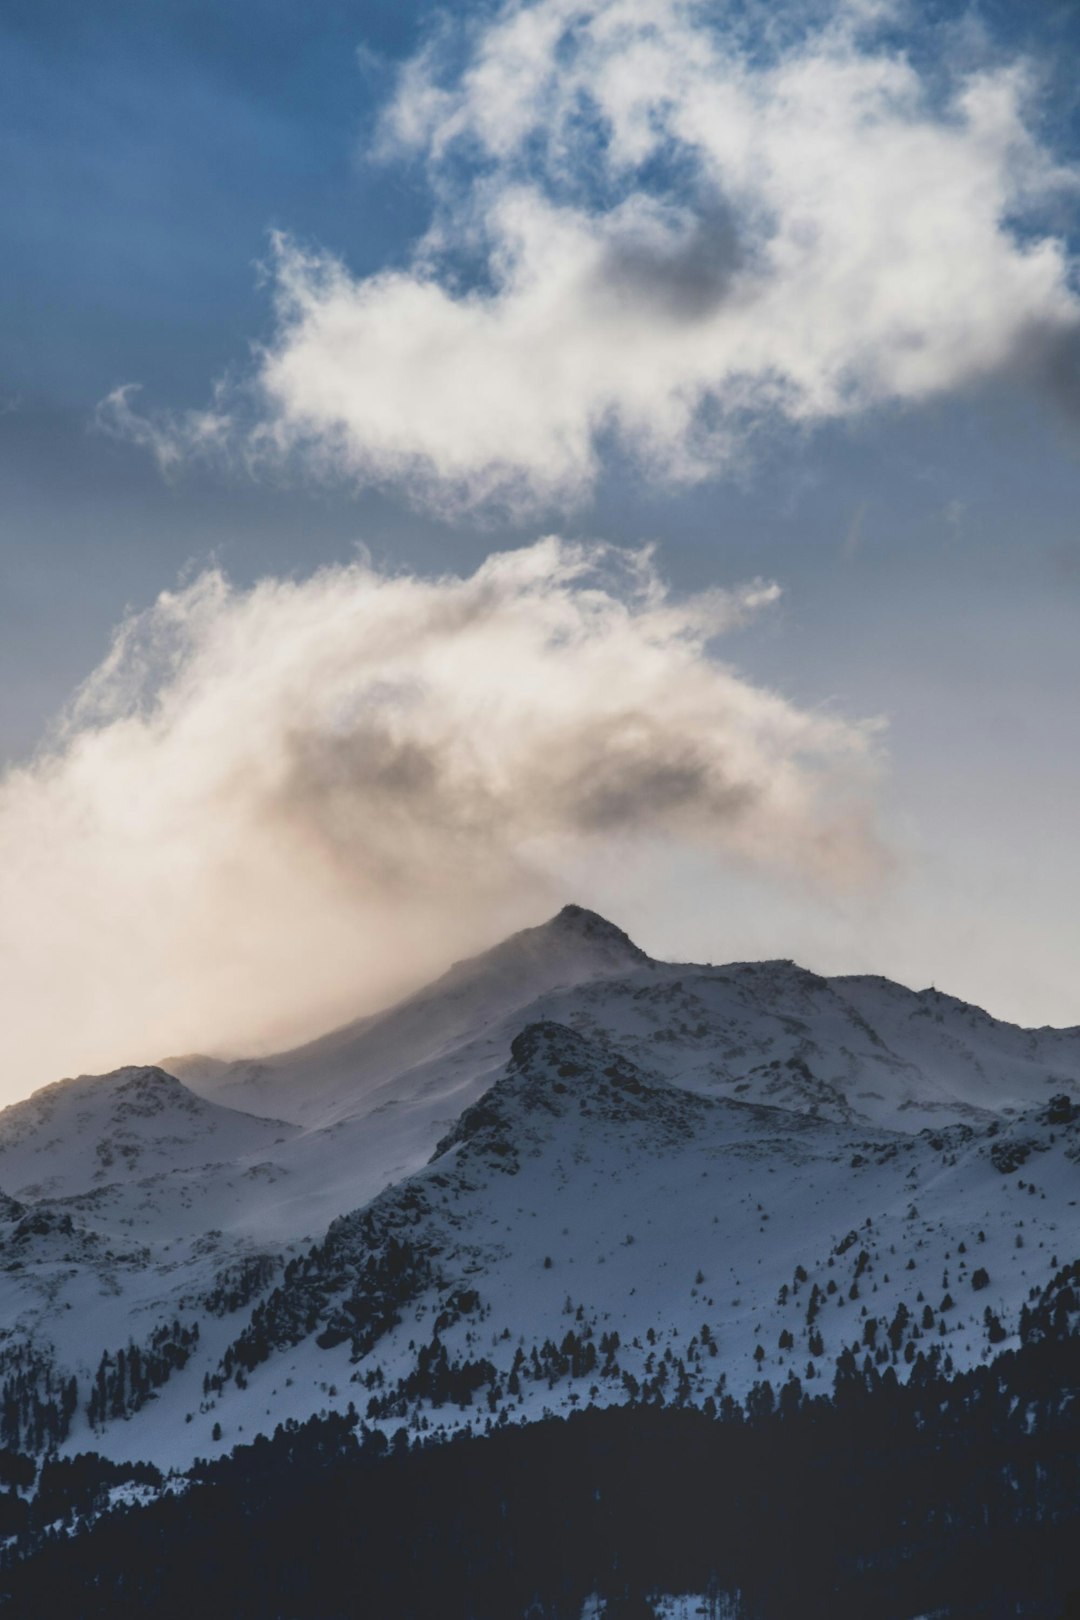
(451, 1025)
(573, 946)
(577, 922)
(848, 1048)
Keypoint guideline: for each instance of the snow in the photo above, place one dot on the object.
(668, 1147)
(680, 1606)
(78, 1135)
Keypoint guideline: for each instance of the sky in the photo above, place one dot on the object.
(458, 461)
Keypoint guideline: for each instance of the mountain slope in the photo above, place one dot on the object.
(562, 1174)
(855, 1049)
(76, 1135)
(466, 1011)
(587, 1233)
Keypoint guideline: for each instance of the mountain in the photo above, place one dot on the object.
(431, 1042)
(587, 1232)
(855, 1048)
(77, 1135)
(563, 1175)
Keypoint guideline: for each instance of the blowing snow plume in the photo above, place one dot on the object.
(271, 806)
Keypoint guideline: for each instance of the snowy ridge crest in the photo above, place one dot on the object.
(554, 1070)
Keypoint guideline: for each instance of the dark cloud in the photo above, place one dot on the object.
(1054, 364)
(683, 273)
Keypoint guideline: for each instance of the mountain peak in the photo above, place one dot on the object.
(555, 1072)
(574, 946)
(579, 923)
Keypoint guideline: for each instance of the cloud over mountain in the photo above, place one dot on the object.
(266, 803)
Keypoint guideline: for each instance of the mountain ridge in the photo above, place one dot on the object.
(733, 1172)
(443, 1040)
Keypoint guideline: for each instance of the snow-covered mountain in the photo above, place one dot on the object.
(77, 1135)
(854, 1049)
(562, 1174)
(433, 1041)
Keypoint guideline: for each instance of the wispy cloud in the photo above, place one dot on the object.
(172, 440)
(663, 226)
(268, 806)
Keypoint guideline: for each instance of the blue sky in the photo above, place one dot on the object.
(926, 540)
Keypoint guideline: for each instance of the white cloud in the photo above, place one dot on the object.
(658, 224)
(170, 440)
(269, 806)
